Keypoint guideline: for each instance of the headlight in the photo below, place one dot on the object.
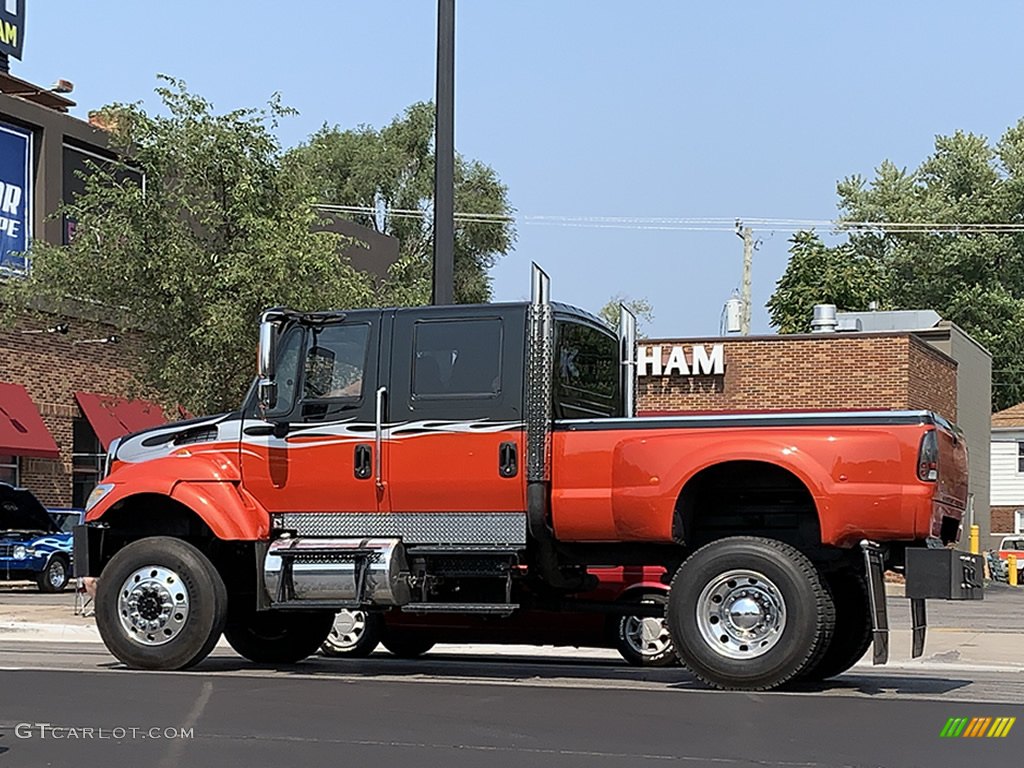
(97, 495)
(19, 552)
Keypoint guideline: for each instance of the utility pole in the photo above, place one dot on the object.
(748, 261)
(444, 157)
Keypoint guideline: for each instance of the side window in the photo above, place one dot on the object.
(333, 369)
(457, 358)
(586, 373)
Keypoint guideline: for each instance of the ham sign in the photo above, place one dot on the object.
(704, 360)
(15, 198)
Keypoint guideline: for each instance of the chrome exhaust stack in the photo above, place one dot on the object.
(342, 572)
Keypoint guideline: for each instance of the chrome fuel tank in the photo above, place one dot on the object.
(343, 570)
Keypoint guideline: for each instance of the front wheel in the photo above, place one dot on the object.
(354, 635)
(160, 604)
(749, 613)
(278, 637)
(54, 577)
(644, 641)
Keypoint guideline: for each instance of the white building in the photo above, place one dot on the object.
(1007, 477)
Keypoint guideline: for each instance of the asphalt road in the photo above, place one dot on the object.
(454, 709)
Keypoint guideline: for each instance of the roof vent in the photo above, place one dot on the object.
(824, 320)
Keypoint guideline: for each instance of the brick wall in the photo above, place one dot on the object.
(813, 372)
(52, 368)
(1002, 519)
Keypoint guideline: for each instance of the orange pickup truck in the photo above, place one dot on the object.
(479, 461)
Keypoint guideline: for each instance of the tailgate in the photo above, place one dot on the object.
(951, 486)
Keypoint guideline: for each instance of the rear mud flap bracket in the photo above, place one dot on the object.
(874, 566)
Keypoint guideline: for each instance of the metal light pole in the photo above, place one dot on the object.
(444, 157)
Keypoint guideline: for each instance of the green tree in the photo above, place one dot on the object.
(951, 261)
(640, 307)
(818, 274)
(219, 234)
(391, 172)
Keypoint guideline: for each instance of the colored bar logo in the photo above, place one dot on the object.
(977, 727)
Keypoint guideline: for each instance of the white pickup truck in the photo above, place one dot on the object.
(1013, 545)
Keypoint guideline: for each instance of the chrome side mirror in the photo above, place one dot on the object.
(266, 388)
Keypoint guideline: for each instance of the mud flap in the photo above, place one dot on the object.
(874, 566)
(919, 622)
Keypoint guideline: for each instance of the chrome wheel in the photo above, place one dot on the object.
(741, 614)
(646, 635)
(349, 628)
(57, 574)
(153, 605)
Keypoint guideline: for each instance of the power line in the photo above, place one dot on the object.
(694, 224)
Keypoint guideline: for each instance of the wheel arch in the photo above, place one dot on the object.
(748, 496)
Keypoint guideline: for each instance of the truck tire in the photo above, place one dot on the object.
(278, 637)
(405, 645)
(645, 641)
(54, 577)
(354, 635)
(160, 604)
(749, 613)
(852, 636)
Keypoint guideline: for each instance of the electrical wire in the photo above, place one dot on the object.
(696, 224)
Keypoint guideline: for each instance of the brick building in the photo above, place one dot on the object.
(937, 368)
(67, 388)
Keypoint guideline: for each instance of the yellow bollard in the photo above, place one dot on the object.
(975, 539)
(1011, 569)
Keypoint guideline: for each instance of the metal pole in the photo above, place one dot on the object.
(444, 157)
(748, 257)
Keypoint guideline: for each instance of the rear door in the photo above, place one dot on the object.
(455, 412)
(322, 458)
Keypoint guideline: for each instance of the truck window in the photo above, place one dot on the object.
(335, 361)
(586, 373)
(457, 358)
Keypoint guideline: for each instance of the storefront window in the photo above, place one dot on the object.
(9, 469)
(87, 462)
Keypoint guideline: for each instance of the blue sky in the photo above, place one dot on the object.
(591, 108)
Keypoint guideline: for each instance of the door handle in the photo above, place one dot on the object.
(363, 462)
(378, 437)
(508, 459)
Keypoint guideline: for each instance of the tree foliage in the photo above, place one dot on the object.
(640, 307)
(220, 233)
(391, 172)
(971, 276)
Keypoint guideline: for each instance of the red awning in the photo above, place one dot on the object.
(22, 431)
(113, 417)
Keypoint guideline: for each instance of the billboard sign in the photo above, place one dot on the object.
(12, 27)
(15, 197)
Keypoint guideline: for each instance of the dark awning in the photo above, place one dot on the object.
(113, 417)
(22, 431)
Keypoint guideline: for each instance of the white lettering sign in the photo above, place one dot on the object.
(10, 198)
(703, 360)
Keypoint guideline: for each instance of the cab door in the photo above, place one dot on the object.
(456, 439)
(319, 455)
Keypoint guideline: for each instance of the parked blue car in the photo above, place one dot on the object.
(34, 544)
